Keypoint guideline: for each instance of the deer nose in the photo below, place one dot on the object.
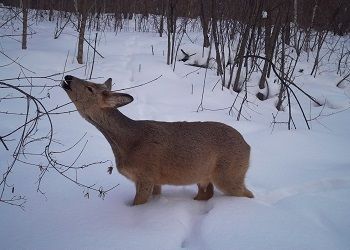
(66, 83)
(68, 78)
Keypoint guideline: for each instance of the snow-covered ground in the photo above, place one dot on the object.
(300, 178)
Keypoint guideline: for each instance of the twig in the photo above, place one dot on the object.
(93, 58)
(3, 143)
(14, 61)
(142, 84)
(37, 77)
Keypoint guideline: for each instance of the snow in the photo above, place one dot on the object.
(301, 178)
(264, 14)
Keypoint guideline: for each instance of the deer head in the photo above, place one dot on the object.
(89, 97)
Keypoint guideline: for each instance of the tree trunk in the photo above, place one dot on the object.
(83, 18)
(51, 11)
(281, 93)
(171, 27)
(308, 32)
(25, 23)
(320, 40)
(169, 20)
(215, 38)
(173, 40)
(295, 21)
(161, 25)
(270, 43)
(267, 46)
(169, 49)
(242, 49)
(204, 23)
(287, 33)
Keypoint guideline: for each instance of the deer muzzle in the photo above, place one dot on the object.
(66, 82)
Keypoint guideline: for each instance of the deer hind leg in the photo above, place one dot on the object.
(157, 189)
(230, 178)
(205, 191)
(143, 192)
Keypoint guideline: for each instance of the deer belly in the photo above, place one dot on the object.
(183, 175)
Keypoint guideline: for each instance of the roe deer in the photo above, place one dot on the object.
(153, 153)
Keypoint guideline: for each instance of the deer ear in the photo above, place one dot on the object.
(108, 83)
(115, 100)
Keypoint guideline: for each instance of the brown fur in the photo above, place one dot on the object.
(152, 153)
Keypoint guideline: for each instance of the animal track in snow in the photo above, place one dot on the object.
(195, 234)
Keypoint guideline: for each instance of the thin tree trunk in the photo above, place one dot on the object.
(267, 52)
(83, 18)
(242, 49)
(204, 23)
(169, 48)
(51, 11)
(215, 37)
(173, 41)
(308, 32)
(161, 25)
(169, 40)
(170, 28)
(270, 43)
(274, 38)
(321, 38)
(295, 21)
(25, 23)
(281, 94)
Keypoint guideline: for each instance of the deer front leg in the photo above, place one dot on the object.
(143, 192)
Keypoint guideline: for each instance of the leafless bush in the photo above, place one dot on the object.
(30, 136)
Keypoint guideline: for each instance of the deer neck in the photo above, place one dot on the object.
(118, 129)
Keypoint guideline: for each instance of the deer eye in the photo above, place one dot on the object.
(90, 89)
